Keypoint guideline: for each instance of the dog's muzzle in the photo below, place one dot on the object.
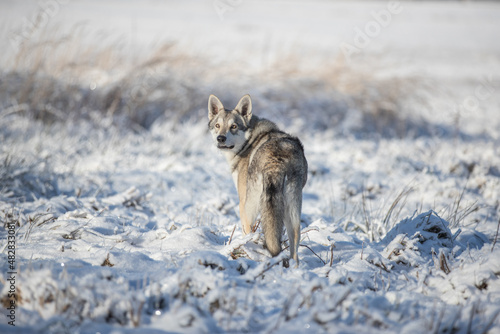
(221, 143)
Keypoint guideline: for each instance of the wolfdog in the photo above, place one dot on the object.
(268, 167)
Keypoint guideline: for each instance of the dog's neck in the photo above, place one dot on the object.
(230, 157)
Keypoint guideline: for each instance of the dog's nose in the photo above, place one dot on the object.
(221, 139)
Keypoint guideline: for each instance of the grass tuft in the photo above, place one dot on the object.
(57, 76)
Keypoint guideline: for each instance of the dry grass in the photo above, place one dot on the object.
(107, 262)
(25, 178)
(376, 223)
(57, 76)
(382, 105)
(458, 211)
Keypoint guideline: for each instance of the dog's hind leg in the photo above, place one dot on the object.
(293, 208)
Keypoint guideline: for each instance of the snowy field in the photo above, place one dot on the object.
(120, 216)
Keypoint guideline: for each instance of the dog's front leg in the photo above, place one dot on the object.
(242, 186)
(245, 223)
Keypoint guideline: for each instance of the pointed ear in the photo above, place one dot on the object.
(244, 107)
(214, 106)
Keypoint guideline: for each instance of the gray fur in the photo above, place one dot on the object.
(268, 167)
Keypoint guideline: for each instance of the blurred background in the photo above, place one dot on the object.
(367, 69)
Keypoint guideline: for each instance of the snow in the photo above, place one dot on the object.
(126, 217)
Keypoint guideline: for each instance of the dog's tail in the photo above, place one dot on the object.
(273, 210)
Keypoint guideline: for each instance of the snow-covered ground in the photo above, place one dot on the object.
(124, 216)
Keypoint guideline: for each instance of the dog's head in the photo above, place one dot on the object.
(229, 128)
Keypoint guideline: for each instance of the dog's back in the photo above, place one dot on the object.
(277, 172)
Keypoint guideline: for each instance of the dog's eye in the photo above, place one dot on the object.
(234, 127)
(217, 125)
